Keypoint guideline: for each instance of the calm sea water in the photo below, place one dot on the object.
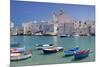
(84, 42)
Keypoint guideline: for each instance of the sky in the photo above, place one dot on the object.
(22, 11)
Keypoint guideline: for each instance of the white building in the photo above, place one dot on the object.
(64, 22)
(13, 29)
(92, 26)
(84, 30)
(84, 27)
(66, 28)
(77, 24)
(28, 26)
(38, 28)
(48, 28)
(19, 30)
(92, 29)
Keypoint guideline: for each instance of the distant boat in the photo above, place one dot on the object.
(71, 51)
(52, 50)
(19, 54)
(40, 46)
(64, 35)
(81, 54)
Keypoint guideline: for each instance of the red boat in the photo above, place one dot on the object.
(81, 54)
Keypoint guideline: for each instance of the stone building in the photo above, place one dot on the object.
(65, 23)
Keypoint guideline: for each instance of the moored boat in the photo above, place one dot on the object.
(19, 54)
(71, 51)
(68, 53)
(81, 54)
(63, 35)
(40, 47)
(74, 49)
(52, 50)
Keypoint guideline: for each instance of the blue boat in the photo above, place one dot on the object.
(68, 53)
(74, 49)
(71, 51)
(81, 54)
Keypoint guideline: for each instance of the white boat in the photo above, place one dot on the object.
(52, 50)
(65, 35)
(19, 56)
(40, 47)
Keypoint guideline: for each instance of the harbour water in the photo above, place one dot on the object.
(29, 42)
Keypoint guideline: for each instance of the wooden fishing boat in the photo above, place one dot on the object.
(81, 54)
(74, 49)
(71, 51)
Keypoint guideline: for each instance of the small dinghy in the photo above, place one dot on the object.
(81, 54)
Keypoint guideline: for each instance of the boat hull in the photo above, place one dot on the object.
(45, 46)
(23, 57)
(52, 50)
(71, 51)
(81, 55)
(74, 49)
(40, 48)
(49, 52)
(68, 53)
